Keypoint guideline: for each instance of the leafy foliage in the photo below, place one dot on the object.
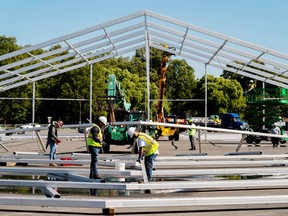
(225, 94)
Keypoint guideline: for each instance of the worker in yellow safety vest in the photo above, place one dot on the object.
(148, 149)
(95, 144)
(191, 134)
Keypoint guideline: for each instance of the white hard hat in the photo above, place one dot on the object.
(103, 119)
(131, 131)
(251, 81)
(275, 124)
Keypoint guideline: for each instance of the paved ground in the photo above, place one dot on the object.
(215, 144)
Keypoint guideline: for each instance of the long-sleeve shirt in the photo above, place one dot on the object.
(52, 133)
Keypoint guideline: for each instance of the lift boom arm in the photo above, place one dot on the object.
(162, 85)
(116, 94)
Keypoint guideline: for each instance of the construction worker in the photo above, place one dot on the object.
(95, 138)
(147, 148)
(275, 130)
(191, 133)
(251, 90)
(53, 140)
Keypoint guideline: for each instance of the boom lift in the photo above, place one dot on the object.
(116, 134)
(266, 110)
(172, 132)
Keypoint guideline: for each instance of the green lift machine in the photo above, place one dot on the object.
(265, 107)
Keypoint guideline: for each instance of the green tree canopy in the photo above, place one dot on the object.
(180, 84)
(224, 95)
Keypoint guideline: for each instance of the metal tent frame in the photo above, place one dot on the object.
(143, 29)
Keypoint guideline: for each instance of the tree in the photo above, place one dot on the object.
(14, 111)
(224, 95)
(7, 45)
(180, 84)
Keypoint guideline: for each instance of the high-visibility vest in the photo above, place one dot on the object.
(91, 141)
(151, 145)
(191, 131)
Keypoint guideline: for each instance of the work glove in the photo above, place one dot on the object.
(140, 158)
(58, 141)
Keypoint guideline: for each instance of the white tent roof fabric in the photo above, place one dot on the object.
(126, 34)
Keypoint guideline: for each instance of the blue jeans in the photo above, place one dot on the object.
(149, 165)
(94, 151)
(53, 149)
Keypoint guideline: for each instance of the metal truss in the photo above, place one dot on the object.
(126, 34)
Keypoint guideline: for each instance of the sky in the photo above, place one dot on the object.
(260, 22)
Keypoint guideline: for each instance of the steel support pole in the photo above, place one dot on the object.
(147, 72)
(264, 107)
(33, 104)
(206, 101)
(199, 141)
(91, 88)
(33, 108)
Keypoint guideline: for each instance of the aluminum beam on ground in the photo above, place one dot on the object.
(226, 163)
(186, 157)
(130, 160)
(158, 163)
(162, 185)
(157, 173)
(221, 171)
(220, 157)
(71, 161)
(143, 202)
(72, 171)
(50, 192)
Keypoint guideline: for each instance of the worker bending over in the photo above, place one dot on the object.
(148, 149)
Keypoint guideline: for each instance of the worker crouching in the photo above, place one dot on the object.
(148, 149)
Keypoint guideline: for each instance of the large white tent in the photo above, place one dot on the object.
(144, 29)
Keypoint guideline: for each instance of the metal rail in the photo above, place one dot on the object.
(162, 185)
(112, 203)
(261, 171)
(158, 163)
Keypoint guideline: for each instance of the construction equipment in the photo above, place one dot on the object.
(266, 109)
(171, 132)
(116, 134)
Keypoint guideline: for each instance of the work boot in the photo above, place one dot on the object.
(99, 178)
(192, 148)
(147, 191)
(96, 176)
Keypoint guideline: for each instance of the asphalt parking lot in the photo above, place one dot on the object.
(213, 143)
